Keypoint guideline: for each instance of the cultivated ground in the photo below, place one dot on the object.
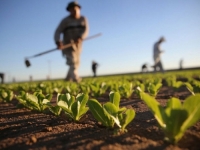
(25, 129)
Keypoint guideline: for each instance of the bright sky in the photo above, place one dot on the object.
(129, 30)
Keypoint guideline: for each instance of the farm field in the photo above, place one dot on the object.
(26, 128)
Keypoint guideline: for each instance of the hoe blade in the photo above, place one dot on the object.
(28, 64)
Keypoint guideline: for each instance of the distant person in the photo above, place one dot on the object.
(181, 64)
(74, 29)
(156, 55)
(144, 68)
(31, 78)
(14, 80)
(94, 68)
(2, 77)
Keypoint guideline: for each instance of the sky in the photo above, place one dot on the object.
(129, 30)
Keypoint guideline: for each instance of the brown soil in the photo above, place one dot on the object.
(25, 129)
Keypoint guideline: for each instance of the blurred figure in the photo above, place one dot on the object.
(14, 80)
(48, 77)
(74, 29)
(144, 68)
(156, 55)
(94, 68)
(181, 64)
(30, 78)
(2, 77)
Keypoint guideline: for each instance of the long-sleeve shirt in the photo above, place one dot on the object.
(71, 28)
(157, 52)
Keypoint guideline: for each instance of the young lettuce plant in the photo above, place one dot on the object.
(45, 87)
(58, 89)
(74, 108)
(194, 87)
(85, 88)
(6, 95)
(176, 118)
(56, 110)
(72, 89)
(110, 113)
(141, 86)
(36, 101)
(189, 87)
(126, 90)
(97, 89)
(153, 89)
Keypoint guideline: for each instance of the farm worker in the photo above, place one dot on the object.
(156, 55)
(74, 29)
(94, 68)
(181, 64)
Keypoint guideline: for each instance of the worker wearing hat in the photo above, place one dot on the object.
(74, 29)
(156, 55)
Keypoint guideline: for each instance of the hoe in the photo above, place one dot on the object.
(28, 64)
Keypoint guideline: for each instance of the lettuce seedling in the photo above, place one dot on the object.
(194, 87)
(56, 110)
(85, 88)
(172, 82)
(110, 113)
(126, 90)
(189, 87)
(36, 101)
(72, 89)
(45, 87)
(74, 108)
(97, 89)
(6, 95)
(176, 118)
(153, 89)
(177, 84)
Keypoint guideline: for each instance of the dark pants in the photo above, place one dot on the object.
(94, 71)
(2, 77)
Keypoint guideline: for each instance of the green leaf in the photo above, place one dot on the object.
(189, 87)
(33, 100)
(64, 106)
(82, 98)
(83, 111)
(10, 95)
(128, 117)
(175, 118)
(98, 112)
(4, 94)
(173, 103)
(113, 111)
(75, 110)
(121, 110)
(111, 108)
(71, 101)
(158, 86)
(192, 106)
(46, 102)
(55, 110)
(114, 98)
(48, 96)
(155, 107)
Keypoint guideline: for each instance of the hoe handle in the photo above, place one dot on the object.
(65, 46)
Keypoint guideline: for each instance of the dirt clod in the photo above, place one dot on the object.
(33, 139)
